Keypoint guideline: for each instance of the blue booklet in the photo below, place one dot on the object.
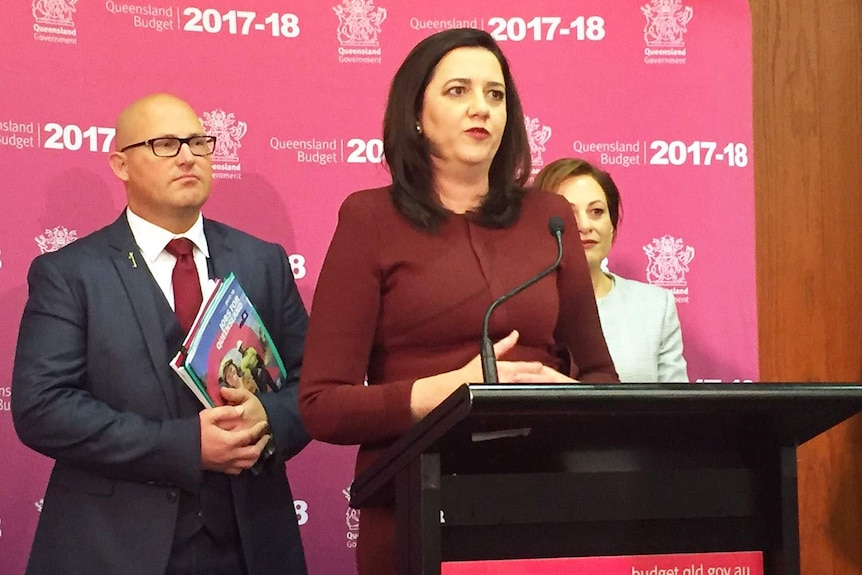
(228, 346)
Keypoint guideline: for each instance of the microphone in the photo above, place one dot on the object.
(489, 363)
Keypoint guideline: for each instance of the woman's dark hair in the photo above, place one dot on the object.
(408, 154)
(554, 174)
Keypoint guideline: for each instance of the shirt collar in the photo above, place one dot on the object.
(152, 239)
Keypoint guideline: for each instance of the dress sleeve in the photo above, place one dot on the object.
(671, 363)
(336, 404)
(579, 329)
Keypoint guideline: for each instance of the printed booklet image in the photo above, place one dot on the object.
(228, 346)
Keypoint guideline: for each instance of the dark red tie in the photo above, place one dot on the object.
(187, 285)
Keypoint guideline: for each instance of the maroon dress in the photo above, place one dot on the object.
(398, 304)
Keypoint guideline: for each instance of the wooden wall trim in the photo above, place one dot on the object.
(807, 66)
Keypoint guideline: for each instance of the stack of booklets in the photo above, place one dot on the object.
(228, 346)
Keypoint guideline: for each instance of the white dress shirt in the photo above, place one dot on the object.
(152, 240)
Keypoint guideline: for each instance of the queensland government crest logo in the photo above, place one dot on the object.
(666, 23)
(352, 520)
(54, 239)
(54, 12)
(359, 22)
(538, 135)
(228, 132)
(668, 261)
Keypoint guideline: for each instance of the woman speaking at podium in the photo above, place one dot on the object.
(413, 267)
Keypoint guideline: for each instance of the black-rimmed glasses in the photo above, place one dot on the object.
(168, 147)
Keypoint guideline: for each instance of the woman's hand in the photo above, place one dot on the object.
(543, 374)
(429, 392)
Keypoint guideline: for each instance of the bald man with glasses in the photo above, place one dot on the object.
(145, 481)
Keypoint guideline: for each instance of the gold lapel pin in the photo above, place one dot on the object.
(132, 259)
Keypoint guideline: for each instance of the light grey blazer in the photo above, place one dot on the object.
(642, 330)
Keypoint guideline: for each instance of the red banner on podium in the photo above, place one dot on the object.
(736, 563)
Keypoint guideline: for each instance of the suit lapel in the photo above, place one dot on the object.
(143, 293)
(224, 259)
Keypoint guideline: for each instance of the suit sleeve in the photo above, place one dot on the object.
(671, 363)
(55, 410)
(281, 407)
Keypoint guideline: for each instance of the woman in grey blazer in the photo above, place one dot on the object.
(639, 320)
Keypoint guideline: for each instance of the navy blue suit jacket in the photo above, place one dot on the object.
(92, 389)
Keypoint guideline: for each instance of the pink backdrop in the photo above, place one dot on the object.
(658, 91)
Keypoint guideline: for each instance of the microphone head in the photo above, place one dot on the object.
(556, 225)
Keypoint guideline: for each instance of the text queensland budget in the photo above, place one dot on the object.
(145, 10)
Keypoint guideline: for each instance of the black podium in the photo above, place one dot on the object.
(512, 472)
